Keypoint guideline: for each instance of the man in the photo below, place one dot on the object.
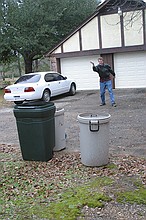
(104, 71)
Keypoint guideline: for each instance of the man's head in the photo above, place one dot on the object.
(100, 60)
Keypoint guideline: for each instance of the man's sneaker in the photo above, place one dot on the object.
(114, 105)
(102, 104)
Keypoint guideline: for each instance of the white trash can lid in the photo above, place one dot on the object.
(85, 118)
(59, 111)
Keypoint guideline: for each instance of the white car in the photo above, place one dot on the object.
(39, 85)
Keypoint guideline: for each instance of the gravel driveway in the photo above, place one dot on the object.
(127, 124)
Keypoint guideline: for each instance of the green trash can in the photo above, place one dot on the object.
(36, 130)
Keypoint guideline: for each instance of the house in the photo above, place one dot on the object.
(117, 32)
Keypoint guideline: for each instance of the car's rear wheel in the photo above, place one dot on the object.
(72, 90)
(46, 96)
(18, 102)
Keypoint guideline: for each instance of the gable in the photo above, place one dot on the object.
(125, 5)
(106, 29)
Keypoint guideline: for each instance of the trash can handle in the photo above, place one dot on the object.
(93, 115)
(93, 122)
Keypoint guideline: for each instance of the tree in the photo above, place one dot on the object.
(73, 14)
(6, 53)
(31, 28)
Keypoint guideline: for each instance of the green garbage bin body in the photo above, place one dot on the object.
(36, 130)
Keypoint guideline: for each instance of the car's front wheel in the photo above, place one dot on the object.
(72, 90)
(46, 96)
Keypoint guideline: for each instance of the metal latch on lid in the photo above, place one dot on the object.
(94, 125)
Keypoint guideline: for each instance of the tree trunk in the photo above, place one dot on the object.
(19, 64)
(28, 64)
(36, 65)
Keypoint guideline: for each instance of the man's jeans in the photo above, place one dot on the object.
(103, 86)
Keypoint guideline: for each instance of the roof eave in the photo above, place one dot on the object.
(100, 6)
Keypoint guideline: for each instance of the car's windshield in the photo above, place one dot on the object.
(29, 79)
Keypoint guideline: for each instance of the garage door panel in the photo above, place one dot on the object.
(130, 69)
(80, 69)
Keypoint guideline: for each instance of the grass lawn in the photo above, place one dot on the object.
(1, 95)
(61, 187)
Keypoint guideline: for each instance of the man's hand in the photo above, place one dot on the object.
(92, 63)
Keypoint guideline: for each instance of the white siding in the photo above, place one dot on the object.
(90, 37)
(130, 69)
(110, 31)
(58, 50)
(133, 28)
(72, 44)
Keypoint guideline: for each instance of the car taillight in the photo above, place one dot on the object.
(29, 89)
(7, 91)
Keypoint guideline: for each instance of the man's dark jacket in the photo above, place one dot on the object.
(104, 71)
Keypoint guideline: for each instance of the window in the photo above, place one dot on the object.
(29, 79)
(57, 77)
(49, 77)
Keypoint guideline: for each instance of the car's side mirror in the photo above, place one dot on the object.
(65, 77)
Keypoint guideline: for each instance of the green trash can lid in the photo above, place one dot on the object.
(34, 105)
(35, 110)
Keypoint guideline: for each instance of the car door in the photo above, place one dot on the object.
(63, 83)
(53, 84)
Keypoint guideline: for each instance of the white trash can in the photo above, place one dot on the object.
(94, 139)
(60, 140)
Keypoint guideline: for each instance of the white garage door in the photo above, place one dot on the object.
(80, 69)
(130, 69)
